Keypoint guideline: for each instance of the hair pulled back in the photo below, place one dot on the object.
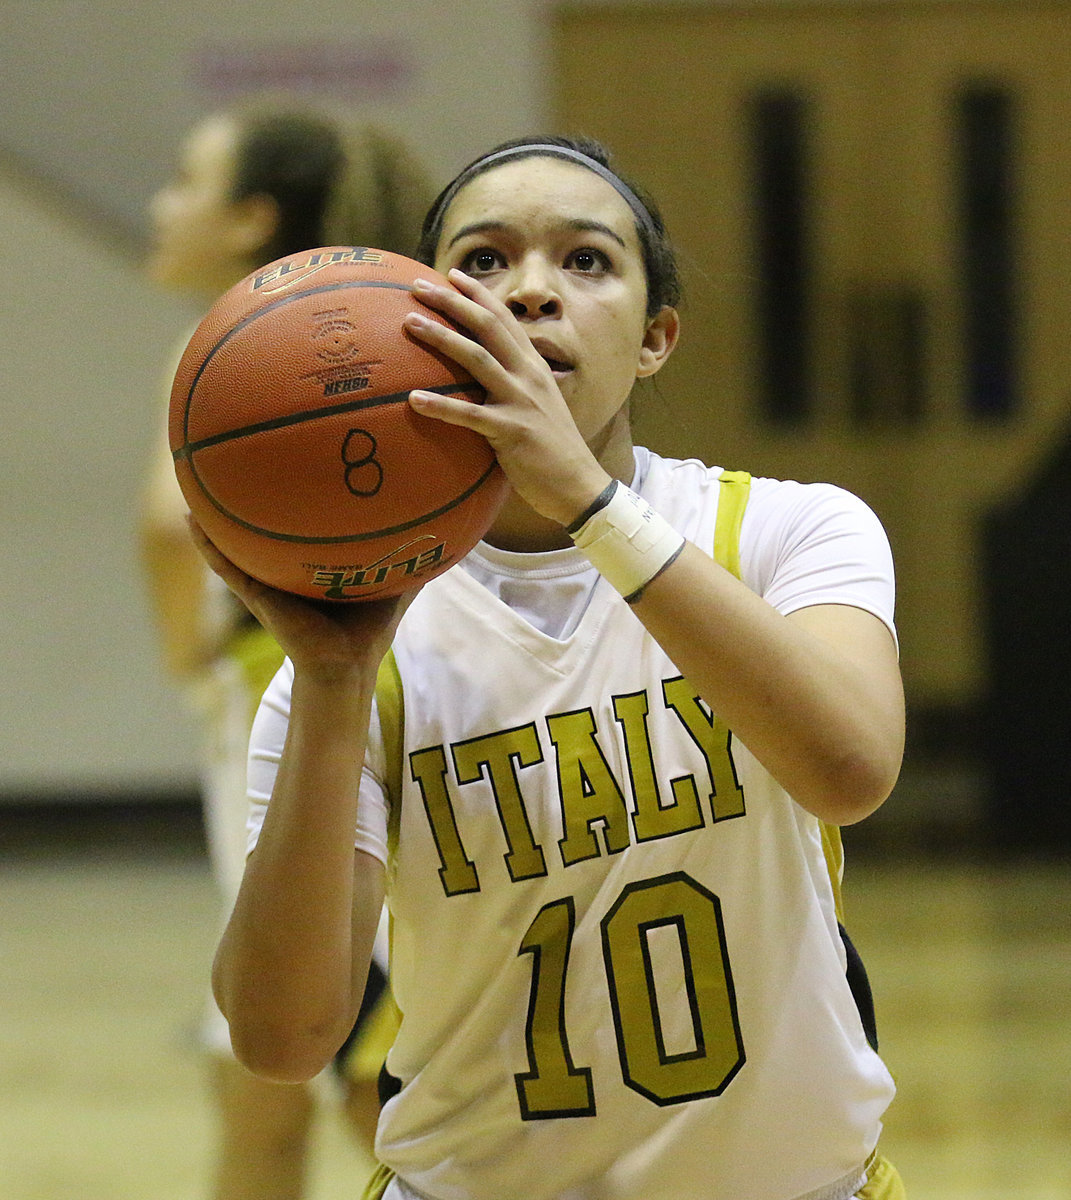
(334, 182)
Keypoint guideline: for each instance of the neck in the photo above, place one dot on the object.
(520, 528)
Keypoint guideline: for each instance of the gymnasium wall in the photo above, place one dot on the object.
(96, 96)
(85, 709)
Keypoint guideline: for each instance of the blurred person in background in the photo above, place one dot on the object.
(263, 179)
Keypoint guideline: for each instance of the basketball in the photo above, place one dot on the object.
(294, 443)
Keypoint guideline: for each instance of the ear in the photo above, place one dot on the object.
(256, 218)
(659, 339)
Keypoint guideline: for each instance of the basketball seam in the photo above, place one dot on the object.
(339, 539)
(188, 449)
(267, 308)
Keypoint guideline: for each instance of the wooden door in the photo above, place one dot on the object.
(872, 202)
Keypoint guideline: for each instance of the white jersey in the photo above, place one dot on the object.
(615, 942)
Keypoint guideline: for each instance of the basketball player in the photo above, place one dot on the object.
(266, 178)
(601, 775)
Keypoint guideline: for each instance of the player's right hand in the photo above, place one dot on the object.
(317, 636)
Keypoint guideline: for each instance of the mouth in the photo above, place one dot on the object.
(559, 368)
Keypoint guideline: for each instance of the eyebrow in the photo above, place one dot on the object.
(579, 224)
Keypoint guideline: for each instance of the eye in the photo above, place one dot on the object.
(481, 262)
(588, 261)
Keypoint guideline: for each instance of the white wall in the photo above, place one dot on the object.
(97, 94)
(83, 702)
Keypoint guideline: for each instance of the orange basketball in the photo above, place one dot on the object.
(295, 446)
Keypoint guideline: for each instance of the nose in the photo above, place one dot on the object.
(532, 291)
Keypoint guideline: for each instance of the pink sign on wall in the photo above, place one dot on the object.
(366, 69)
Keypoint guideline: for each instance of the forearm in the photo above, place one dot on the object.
(175, 574)
(291, 967)
(174, 571)
(815, 697)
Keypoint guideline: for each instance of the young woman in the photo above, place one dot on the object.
(600, 777)
(265, 178)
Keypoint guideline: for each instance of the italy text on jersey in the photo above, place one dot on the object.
(591, 797)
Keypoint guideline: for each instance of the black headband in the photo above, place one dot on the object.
(549, 150)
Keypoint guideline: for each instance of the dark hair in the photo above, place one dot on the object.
(659, 258)
(334, 183)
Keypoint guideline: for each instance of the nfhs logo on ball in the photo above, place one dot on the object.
(334, 339)
(294, 441)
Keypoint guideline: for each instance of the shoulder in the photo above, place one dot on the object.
(776, 508)
(684, 490)
(815, 543)
(793, 508)
(674, 474)
(779, 509)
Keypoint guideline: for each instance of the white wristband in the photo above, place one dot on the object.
(627, 541)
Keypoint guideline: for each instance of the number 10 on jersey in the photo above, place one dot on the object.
(553, 1086)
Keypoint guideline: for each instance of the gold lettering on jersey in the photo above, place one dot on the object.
(457, 872)
(651, 819)
(712, 736)
(588, 792)
(499, 755)
(589, 795)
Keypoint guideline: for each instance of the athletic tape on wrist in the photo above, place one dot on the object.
(627, 541)
(597, 505)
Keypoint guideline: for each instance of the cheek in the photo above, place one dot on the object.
(624, 338)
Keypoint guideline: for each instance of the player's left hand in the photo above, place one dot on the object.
(525, 416)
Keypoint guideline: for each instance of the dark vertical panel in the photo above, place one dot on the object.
(985, 179)
(1026, 582)
(777, 137)
(887, 353)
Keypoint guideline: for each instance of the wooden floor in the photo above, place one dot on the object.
(107, 928)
